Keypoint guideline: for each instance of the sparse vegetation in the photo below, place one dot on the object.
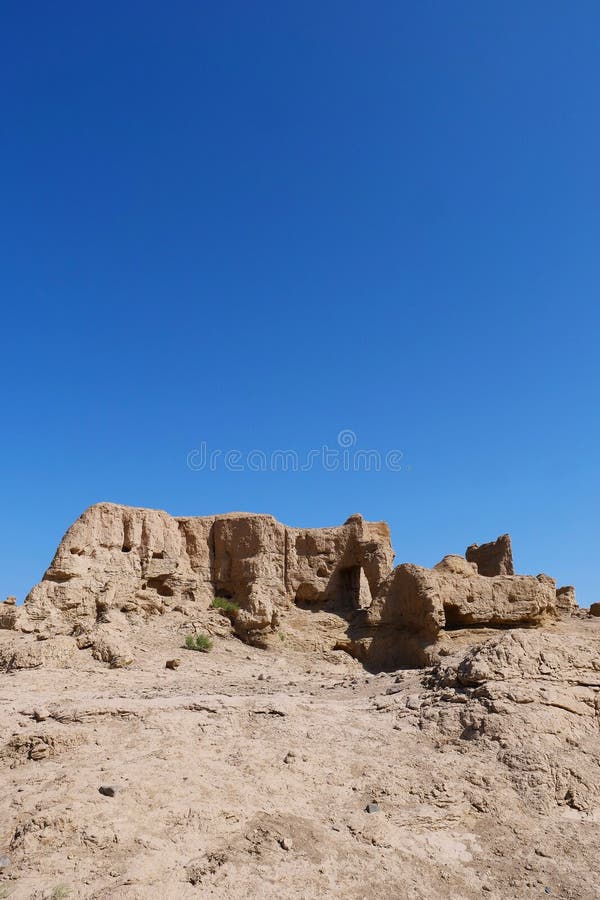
(60, 892)
(200, 642)
(229, 608)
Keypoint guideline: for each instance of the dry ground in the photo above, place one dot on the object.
(246, 773)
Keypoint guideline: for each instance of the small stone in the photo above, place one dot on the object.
(413, 702)
(261, 677)
(547, 890)
(109, 790)
(372, 807)
(172, 664)
(285, 844)
(39, 751)
(4, 862)
(289, 756)
(40, 714)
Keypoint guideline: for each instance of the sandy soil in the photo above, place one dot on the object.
(247, 773)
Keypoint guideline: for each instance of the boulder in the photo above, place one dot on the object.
(494, 558)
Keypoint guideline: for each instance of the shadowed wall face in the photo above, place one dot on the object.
(494, 558)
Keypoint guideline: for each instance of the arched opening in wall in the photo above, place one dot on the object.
(457, 619)
(346, 593)
(365, 598)
(454, 619)
(355, 592)
(334, 611)
(127, 545)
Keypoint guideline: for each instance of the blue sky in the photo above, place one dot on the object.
(258, 224)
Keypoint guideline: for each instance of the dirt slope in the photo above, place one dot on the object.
(246, 773)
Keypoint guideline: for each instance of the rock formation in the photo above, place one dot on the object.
(9, 613)
(494, 558)
(565, 599)
(117, 559)
(118, 564)
(522, 693)
(416, 605)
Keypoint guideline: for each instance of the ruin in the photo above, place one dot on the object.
(493, 558)
(120, 564)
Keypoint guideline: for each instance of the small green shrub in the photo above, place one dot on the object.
(229, 608)
(60, 892)
(200, 642)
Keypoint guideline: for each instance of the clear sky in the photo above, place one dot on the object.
(256, 225)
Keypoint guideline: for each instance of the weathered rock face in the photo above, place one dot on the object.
(494, 558)
(422, 602)
(8, 613)
(118, 564)
(566, 602)
(520, 694)
(143, 561)
(427, 600)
